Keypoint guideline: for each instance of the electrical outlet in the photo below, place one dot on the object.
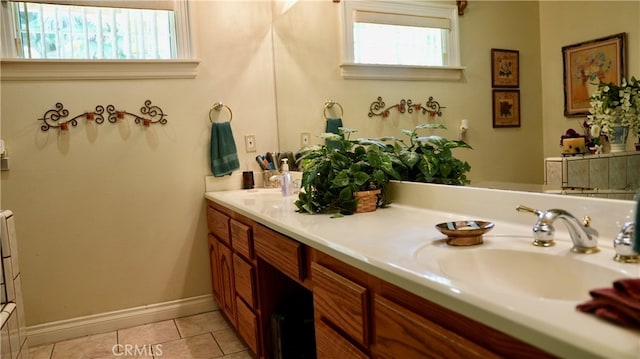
(305, 138)
(250, 143)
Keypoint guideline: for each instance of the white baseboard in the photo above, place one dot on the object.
(105, 322)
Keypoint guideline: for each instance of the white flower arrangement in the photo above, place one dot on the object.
(613, 105)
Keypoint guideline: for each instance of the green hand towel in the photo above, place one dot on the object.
(333, 126)
(224, 156)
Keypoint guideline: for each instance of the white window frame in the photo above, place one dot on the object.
(351, 70)
(185, 66)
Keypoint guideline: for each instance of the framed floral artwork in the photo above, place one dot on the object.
(505, 68)
(506, 108)
(586, 65)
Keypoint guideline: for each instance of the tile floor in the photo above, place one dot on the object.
(205, 335)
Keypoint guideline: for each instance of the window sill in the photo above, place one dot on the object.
(352, 71)
(21, 69)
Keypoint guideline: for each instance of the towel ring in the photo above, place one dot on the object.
(218, 107)
(328, 105)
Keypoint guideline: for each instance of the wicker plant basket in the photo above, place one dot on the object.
(367, 200)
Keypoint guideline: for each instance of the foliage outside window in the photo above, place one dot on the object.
(53, 31)
(50, 31)
(96, 39)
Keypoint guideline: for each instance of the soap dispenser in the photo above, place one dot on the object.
(286, 183)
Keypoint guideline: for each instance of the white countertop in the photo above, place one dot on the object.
(400, 244)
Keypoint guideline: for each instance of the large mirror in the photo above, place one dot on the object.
(307, 59)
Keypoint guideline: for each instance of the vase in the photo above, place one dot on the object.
(618, 138)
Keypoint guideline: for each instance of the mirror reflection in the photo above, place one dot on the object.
(308, 70)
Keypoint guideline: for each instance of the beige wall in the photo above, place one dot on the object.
(587, 20)
(115, 221)
(307, 74)
(111, 222)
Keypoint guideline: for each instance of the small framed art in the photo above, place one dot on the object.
(506, 108)
(505, 68)
(586, 65)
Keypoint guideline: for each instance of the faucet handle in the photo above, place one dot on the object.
(623, 245)
(543, 231)
(522, 208)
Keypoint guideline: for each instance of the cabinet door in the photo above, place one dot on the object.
(400, 333)
(215, 271)
(330, 345)
(341, 302)
(227, 285)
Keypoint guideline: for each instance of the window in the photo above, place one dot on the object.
(400, 40)
(49, 31)
(67, 31)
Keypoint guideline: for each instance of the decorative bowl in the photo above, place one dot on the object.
(464, 233)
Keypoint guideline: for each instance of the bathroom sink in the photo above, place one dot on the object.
(539, 275)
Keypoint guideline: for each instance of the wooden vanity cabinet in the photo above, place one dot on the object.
(215, 271)
(227, 284)
(282, 252)
(218, 224)
(342, 307)
(341, 303)
(401, 333)
(248, 325)
(331, 345)
(366, 316)
(233, 271)
(255, 270)
(221, 262)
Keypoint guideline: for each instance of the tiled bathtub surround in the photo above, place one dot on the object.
(13, 342)
(611, 175)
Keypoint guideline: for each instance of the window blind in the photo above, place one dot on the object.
(54, 31)
(374, 17)
(127, 4)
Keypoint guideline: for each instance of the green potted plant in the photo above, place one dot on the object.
(332, 175)
(614, 112)
(429, 158)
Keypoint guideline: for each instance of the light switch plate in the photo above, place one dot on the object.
(250, 143)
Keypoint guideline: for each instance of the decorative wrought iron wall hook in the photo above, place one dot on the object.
(54, 118)
(156, 115)
(432, 107)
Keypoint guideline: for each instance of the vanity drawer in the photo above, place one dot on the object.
(247, 325)
(341, 302)
(218, 224)
(282, 252)
(244, 274)
(401, 333)
(241, 240)
(331, 345)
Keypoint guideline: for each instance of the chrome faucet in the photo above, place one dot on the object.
(623, 245)
(584, 237)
